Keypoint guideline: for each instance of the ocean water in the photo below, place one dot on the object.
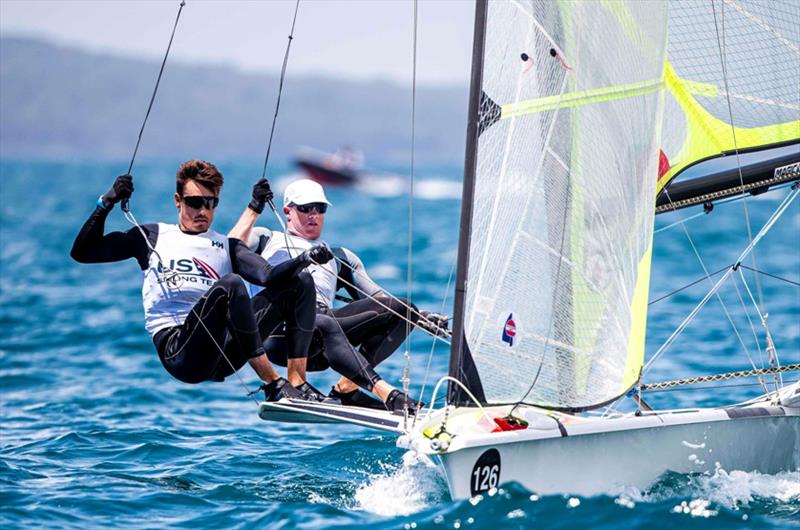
(95, 434)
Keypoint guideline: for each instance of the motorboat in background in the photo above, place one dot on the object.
(342, 168)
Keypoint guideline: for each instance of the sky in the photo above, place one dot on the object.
(354, 39)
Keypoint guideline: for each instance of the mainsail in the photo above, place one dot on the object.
(731, 87)
(557, 223)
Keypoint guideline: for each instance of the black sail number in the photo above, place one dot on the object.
(486, 472)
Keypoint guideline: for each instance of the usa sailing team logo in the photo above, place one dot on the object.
(509, 330)
(206, 268)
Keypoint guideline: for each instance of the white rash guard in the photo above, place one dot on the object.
(272, 247)
(199, 259)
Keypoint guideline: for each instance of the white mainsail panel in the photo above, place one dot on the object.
(567, 163)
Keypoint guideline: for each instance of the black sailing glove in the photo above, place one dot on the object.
(434, 322)
(319, 254)
(121, 190)
(261, 194)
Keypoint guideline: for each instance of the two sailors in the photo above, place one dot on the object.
(203, 322)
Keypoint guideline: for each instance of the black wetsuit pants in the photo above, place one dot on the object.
(225, 317)
(376, 330)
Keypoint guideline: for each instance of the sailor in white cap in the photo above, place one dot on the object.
(372, 322)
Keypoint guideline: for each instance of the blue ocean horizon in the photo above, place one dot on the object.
(96, 434)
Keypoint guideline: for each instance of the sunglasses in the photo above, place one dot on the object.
(320, 207)
(200, 201)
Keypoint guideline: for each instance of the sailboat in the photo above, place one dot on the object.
(581, 116)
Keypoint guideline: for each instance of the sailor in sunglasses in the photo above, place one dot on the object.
(197, 309)
(371, 322)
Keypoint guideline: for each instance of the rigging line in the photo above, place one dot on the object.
(410, 259)
(125, 204)
(713, 387)
(722, 46)
(750, 322)
(766, 228)
(389, 295)
(420, 316)
(774, 360)
(266, 160)
(280, 91)
(168, 273)
(792, 282)
(717, 295)
(676, 291)
(679, 221)
(433, 342)
(720, 377)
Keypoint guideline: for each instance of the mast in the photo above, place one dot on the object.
(461, 366)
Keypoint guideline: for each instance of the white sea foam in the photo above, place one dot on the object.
(740, 488)
(384, 271)
(693, 446)
(721, 488)
(403, 490)
(394, 186)
(383, 185)
(437, 189)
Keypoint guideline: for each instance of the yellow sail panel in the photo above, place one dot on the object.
(732, 79)
(583, 97)
(633, 365)
(707, 136)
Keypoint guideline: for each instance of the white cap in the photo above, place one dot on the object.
(304, 191)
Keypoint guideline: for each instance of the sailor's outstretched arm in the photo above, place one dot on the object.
(353, 271)
(257, 270)
(261, 194)
(92, 246)
(359, 285)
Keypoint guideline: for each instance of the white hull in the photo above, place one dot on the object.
(588, 456)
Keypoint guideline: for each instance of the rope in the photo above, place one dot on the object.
(715, 287)
(170, 276)
(410, 260)
(410, 310)
(280, 90)
(792, 282)
(676, 291)
(721, 377)
(420, 316)
(771, 351)
(715, 387)
(721, 45)
(433, 342)
(126, 202)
